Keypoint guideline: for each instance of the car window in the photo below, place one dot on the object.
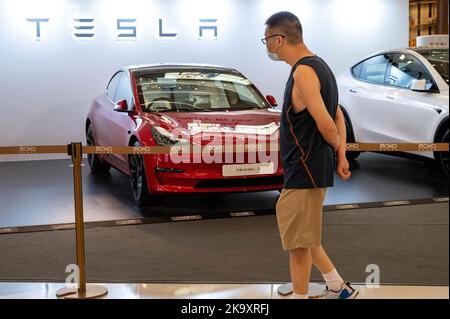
(124, 90)
(245, 93)
(197, 90)
(405, 69)
(372, 70)
(112, 86)
(438, 59)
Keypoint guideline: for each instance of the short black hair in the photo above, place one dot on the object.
(289, 24)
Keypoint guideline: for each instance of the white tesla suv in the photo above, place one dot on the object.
(398, 96)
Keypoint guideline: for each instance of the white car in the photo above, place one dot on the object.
(398, 96)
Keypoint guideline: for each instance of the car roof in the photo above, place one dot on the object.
(171, 66)
(409, 49)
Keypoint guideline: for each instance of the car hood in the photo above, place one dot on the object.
(248, 122)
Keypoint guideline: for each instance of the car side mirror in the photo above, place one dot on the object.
(121, 106)
(272, 101)
(419, 86)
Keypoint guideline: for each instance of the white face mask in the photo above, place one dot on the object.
(273, 56)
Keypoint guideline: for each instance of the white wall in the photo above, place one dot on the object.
(46, 86)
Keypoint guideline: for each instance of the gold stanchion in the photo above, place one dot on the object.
(84, 291)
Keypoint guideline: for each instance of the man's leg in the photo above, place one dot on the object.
(321, 260)
(300, 266)
(325, 266)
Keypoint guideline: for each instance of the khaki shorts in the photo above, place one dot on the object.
(299, 216)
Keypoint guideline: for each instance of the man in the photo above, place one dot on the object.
(312, 136)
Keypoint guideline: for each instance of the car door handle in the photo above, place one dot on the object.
(390, 97)
(353, 91)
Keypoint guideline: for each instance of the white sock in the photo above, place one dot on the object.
(298, 296)
(334, 280)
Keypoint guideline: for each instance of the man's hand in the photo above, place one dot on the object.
(343, 168)
(342, 165)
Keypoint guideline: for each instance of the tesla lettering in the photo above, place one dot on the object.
(208, 27)
(162, 34)
(131, 28)
(84, 28)
(38, 25)
(126, 28)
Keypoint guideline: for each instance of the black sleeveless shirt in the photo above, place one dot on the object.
(308, 160)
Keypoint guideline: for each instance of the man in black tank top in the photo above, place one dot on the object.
(312, 138)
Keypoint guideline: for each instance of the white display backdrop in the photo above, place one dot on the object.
(47, 82)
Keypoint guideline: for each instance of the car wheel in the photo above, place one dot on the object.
(138, 180)
(443, 156)
(350, 139)
(95, 163)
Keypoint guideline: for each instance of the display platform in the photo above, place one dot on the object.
(40, 192)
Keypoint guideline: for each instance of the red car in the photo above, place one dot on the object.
(188, 105)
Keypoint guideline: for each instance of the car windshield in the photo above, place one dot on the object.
(439, 59)
(197, 91)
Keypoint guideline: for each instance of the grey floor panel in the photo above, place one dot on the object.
(246, 250)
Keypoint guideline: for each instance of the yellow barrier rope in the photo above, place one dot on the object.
(190, 149)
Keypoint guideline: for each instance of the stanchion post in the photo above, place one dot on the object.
(84, 291)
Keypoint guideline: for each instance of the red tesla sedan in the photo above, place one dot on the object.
(212, 107)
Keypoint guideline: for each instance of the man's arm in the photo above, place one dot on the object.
(343, 165)
(307, 86)
(340, 124)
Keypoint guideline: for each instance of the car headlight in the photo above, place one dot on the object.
(163, 137)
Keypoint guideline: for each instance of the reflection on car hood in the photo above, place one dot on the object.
(262, 122)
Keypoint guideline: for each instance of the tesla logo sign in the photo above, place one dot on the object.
(84, 28)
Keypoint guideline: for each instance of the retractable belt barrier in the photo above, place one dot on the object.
(76, 150)
(188, 149)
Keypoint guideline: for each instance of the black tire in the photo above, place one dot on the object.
(350, 139)
(95, 163)
(442, 157)
(138, 180)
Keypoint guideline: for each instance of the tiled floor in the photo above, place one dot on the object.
(214, 291)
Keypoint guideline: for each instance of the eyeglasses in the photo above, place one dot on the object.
(264, 40)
